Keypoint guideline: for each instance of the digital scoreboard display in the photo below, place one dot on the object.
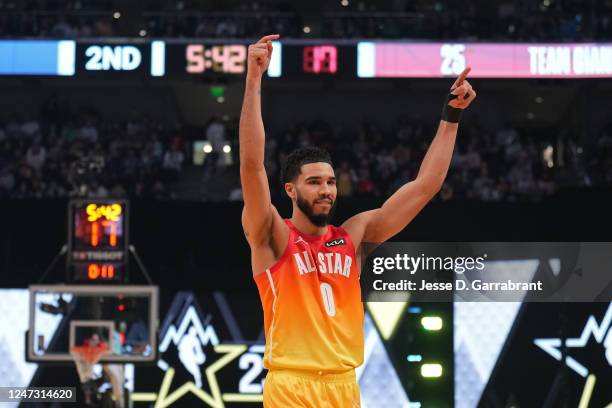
(140, 58)
(205, 59)
(226, 59)
(97, 241)
(487, 60)
(112, 60)
(288, 60)
(319, 61)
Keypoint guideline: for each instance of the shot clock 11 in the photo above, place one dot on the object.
(97, 240)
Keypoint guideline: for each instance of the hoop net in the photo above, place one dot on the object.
(85, 357)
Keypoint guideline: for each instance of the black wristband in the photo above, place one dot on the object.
(450, 114)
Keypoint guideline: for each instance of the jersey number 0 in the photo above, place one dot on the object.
(328, 299)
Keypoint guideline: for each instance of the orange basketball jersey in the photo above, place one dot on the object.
(313, 315)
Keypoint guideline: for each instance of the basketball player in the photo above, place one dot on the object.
(307, 271)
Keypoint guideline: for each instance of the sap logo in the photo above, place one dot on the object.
(107, 58)
(335, 242)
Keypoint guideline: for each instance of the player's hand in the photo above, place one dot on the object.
(259, 56)
(463, 91)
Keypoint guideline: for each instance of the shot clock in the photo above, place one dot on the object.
(320, 59)
(97, 240)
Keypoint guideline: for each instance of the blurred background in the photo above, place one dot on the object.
(138, 102)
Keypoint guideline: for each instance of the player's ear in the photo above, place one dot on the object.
(290, 190)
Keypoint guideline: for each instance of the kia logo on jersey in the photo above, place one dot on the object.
(335, 242)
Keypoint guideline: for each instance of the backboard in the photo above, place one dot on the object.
(64, 316)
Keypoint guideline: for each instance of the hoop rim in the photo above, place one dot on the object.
(90, 354)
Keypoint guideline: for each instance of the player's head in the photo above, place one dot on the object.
(309, 180)
(94, 340)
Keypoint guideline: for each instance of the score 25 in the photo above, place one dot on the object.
(453, 59)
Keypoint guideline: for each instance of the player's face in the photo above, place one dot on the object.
(315, 190)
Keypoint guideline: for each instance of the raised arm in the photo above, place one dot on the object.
(379, 225)
(257, 212)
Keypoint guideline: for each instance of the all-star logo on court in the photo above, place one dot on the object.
(335, 242)
(191, 366)
(190, 332)
(598, 361)
(600, 332)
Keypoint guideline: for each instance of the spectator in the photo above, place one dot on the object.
(97, 190)
(446, 192)
(484, 187)
(30, 128)
(215, 134)
(118, 191)
(345, 179)
(236, 194)
(173, 163)
(509, 21)
(144, 158)
(88, 132)
(366, 185)
(7, 181)
(35, 156)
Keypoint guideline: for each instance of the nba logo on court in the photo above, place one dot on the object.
(190, 333)
(194, 359)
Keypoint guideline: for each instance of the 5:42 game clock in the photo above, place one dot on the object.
(97, 241)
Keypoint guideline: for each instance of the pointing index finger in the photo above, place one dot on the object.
(462, 76)
(267, 38)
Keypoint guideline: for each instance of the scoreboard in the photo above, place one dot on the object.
(112, 60)
(185, 60)
(97, 241)
(302, 59)
(205, 59)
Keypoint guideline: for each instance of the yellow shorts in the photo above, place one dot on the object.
(310, 389)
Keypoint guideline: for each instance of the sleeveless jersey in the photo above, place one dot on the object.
(311, 298)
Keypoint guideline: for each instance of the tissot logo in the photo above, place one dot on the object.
(335, 242)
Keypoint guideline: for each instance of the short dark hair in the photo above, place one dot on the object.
(304, 155)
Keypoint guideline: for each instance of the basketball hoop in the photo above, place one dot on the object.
(86, 356)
